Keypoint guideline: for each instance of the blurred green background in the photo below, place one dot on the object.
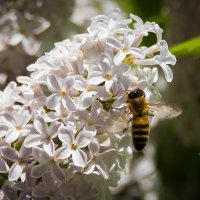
(176, 142)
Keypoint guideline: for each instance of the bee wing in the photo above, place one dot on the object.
(114, 124)
(164, 111)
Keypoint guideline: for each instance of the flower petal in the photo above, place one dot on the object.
(39, 191)
(119, 57)
(79, 158)
(82, 140)
(53, 129)
(167, 72)
(12, 136)
(69, 103)
(57, 172)
(63, 153)
(31, 45)
(49, 147)
(40, 125)
(15, 172)
(85, 100)
(68, 82)
(103, 169)
(52, 101)
(3, 130)
(66, 135)
(33, 140)
(10, 154)
(40, 155)
(38, 170)
(80, 83)
(3, 166)
(54, 83)
(114, 43)
(94, 147)
(95, 78)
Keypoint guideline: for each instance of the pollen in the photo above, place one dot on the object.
(130, 59)
(125, 50)
(90, 88)
(108, 76)
(18, 128)
(63, 93)
(21, 162)
(74, 147)
(94, 158)
(90, 123)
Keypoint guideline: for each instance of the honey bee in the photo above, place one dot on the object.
(142, 112)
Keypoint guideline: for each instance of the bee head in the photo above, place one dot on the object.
(136, 94)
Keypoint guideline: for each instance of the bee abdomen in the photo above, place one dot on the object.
(140, 132)
(140, 140)
(140, 122)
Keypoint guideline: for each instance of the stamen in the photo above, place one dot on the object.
(74, 147)
(63, 93)
(108, 76)
(18, 128)
(89, 89)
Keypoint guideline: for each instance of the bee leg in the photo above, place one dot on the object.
(125, 130)
(129, 121)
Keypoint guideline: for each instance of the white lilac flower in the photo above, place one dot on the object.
(146, 77)
(62, 92)
(62, 114)
(7, 97)
(49, 63)
(164, 59)
(143, 29)
(28, 98)
(72, 145)
(16, 28)
(42, 134)
(48, 188)
(4, 168)
(17, 123)
(67, 51)
(108, 73)
(87, 90)
(103, 26)
(3, 78)
(123, 151)
(20, 160)
(93, 118)
(98, 160)
(25, 188)
(125, 48)
(48, 161)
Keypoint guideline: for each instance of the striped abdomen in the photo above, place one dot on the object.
(140, 131)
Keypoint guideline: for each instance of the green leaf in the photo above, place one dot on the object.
(187, 48)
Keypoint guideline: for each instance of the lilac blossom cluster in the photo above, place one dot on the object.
(21, 28)
(52, 126)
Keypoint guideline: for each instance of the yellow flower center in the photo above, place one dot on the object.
(90, 123)
(130, 59)
(63, 93)
(21, 161)
(125, 50)
(108, 76)
(89, 89)
(94, 158)
(18, 128)
(74, 147)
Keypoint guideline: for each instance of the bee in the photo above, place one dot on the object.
(142, 113)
